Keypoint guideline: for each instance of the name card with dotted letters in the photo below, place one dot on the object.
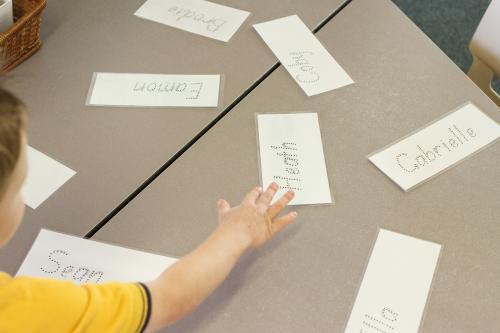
(45, 176)
(437, 147)
(197, 16)
(63, 257)
(154, 90)
(291, 154)
(300, 52)
(396, 284)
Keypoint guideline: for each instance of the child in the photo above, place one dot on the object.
(43, 305)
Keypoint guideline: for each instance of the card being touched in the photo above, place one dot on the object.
(197, 16)
(436, 147)
(291, 154)
(307, 61)
(154, 90)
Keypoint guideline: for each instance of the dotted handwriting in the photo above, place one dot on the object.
(456, 139)
(307, 72)
(56, 268)
(385, 322)
(192, 90)
(212, 24)
(289, 154)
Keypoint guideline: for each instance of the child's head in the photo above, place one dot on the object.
(13, 163)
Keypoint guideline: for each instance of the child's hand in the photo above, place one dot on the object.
(255, 220)
(185, 284)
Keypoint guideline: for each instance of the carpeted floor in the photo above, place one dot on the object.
(449, 23)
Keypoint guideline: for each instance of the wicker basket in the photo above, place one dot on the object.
(23, 38)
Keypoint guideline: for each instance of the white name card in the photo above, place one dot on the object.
(197, 16)
(394, 290)
(307, 61)
(45, 176)
(59, 256)
(438, 146)
(154, 90)
(291, 154)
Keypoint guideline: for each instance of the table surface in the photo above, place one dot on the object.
(307, 278)
(114, 150)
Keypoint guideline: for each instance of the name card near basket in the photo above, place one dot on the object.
(22, 39)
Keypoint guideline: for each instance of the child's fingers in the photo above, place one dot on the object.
(283, 221)
(279, 205)
(265, 198)
(222, 207)
(252, 196)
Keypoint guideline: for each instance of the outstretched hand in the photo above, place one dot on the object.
(184, 285)
(255, 220)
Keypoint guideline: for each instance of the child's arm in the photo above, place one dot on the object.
(183, 286)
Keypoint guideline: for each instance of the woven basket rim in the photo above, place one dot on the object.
(22, 39)
(20, 22)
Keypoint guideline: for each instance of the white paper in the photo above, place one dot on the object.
(307, 61)
(6, 15)
(59, 256)
(154, 90)
(291, 154)
(436, 147)
(394, 291)
(197, 16)
(45, 176)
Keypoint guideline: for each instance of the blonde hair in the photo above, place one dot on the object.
(12, 126)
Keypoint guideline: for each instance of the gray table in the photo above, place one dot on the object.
(306, 280)
(114, 150)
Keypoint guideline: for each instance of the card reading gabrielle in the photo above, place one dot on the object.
(438, 146)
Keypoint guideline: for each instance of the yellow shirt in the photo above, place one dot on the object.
(43, 305)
